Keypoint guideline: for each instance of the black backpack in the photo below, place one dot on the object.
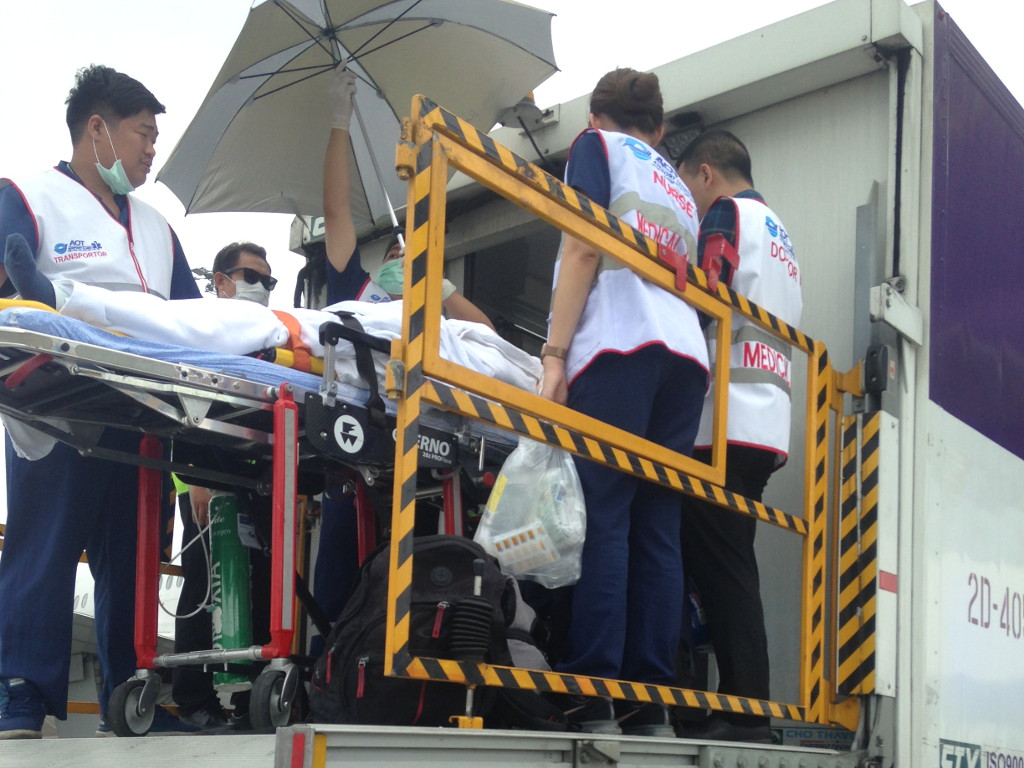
(348, 683)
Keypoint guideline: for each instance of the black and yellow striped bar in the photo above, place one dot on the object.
(421, 207)
(812, 667)
(846, 549)
(560, 213)
(431, 145)
(858, 561)
(439, 119)
(490, 412)
(425, 668)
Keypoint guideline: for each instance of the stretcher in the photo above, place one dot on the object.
(235, 422)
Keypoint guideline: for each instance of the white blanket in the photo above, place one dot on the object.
(241, 327)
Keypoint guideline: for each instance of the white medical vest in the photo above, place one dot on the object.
(373, 293)
(624, 312)
(79, 239)
(760, 376)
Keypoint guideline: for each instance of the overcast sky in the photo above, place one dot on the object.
(176, 47)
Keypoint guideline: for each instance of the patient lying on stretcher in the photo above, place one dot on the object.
(242, 328)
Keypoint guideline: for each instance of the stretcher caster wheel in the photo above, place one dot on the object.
(273, 693)
(124, 713)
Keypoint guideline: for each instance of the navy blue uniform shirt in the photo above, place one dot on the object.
(587, 171)
(722, 218)
(347, 284)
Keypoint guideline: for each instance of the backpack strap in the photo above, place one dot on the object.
(350, 329)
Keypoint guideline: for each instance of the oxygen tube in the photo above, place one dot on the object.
(230, 607)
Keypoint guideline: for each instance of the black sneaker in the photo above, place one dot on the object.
(209, 718)
(166, 724)
(587, 714)
(644, 718)
(240, 722)
(103, 730)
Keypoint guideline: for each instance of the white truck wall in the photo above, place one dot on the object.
(965, 604)
(815, 159)
(971, 513)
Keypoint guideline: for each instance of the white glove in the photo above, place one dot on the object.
(340, 95)
(447, 289)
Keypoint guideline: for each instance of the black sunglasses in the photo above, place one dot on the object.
(252, 277)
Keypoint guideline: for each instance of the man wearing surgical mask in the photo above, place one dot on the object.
(241, 271)
(78, 221)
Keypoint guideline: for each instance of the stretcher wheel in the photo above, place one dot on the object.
(270, 703)
(123, 710)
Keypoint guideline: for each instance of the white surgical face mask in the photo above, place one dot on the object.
(114, 176)
(255, 293)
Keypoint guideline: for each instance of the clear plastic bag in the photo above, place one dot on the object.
(535, 520)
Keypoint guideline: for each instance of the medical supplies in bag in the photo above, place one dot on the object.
(535, 520)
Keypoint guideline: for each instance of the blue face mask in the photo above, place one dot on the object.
(391, 276)
(114, 176)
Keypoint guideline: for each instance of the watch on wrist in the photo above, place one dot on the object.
(549, 350)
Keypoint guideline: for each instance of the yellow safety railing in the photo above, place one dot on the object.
(435, 141)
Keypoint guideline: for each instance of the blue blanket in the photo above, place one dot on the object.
(248, 368)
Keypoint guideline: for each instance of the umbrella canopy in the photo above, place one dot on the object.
(257, 142)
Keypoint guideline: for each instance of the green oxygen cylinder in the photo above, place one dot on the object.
(231, 610)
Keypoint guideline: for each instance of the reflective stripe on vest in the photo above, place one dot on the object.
(763, 357)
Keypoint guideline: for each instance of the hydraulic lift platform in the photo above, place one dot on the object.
(320, 746)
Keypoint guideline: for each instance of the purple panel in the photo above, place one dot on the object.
(977, 317)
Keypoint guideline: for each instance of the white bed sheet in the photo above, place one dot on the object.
(241, 327)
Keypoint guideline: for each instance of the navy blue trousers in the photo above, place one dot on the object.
(627, 605)
(57, 507)
(337, 560)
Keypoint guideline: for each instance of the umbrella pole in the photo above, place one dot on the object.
(380, 178)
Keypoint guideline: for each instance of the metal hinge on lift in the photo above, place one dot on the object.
(887, 305)
(590, 752)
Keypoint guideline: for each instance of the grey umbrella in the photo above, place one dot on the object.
(258, 140)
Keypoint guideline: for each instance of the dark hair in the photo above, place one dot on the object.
(230, 254)
(103, 91)
(632, 99)
(722, 151)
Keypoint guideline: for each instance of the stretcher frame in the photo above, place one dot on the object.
(434, 142)
(65, 375)
(71, 390)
